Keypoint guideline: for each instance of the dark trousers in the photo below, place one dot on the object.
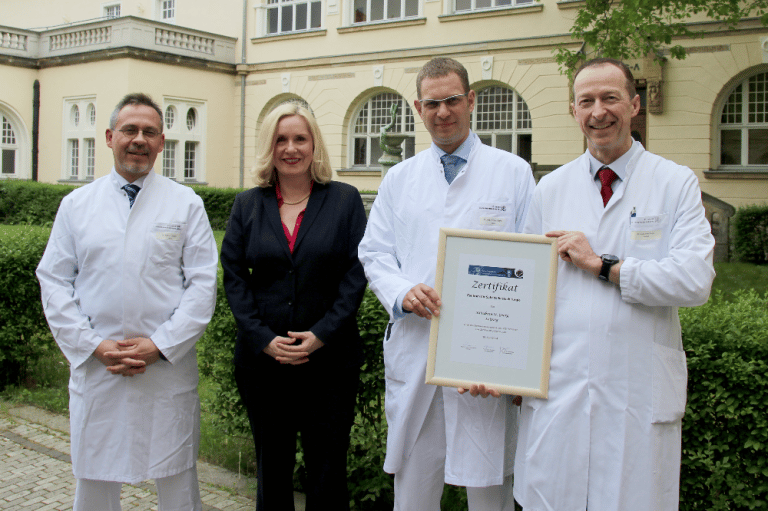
(283, 401)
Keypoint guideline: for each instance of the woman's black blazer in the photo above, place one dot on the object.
(318, 287)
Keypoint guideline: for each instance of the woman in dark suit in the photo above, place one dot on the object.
(294, 284)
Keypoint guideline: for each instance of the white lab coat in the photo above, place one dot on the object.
(113, 273)
(398, 251)
(609, 433)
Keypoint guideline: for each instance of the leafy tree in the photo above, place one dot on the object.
(626, 29)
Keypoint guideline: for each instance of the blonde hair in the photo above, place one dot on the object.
(263, 171)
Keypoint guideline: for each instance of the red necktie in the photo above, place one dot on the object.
(607, 177)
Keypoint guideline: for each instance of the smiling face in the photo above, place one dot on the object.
(604, 110)
(448, 125)
(135, 156)
(294, 147)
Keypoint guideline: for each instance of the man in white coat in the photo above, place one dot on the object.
(128, 284)
(608, 438)
(435, 435)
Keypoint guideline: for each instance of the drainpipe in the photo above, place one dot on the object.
(242, 94)
(35, 126)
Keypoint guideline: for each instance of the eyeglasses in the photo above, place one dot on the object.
(434, 104)
(133, 132)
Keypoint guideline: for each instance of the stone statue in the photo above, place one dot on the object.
(390, 144)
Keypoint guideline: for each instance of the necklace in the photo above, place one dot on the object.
(297, 202)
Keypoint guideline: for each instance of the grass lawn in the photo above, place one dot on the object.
(732, 277)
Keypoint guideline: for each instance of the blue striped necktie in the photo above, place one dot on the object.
(132, 190)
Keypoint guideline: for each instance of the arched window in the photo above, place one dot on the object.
(501, 119)
(9, 148)
(183, 152)
(79, 158)
(743, 126)
(366, 129)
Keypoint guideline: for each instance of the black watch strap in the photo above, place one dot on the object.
(608, 261)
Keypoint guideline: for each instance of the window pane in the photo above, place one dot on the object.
(377, 10)
(170, 117)
(169, 159)
(524, 147)
(360, 11)
(9, 161)
(463, 5)
(482, 4)
(411, 7)
(8, 136)
(504, 142)
(191, 119)
(410, 147)
(361, 125)
(486, 139)
(92, 114)
(315, 15)
(376, 151)
(503, 2)
(74, 158)
(286, 24)
(393, 9)
(190, 158)
(758, 147)
(732, 108)
(360, 151)
(730, 147)
(301, 17)
(90, 157)
(272, 15)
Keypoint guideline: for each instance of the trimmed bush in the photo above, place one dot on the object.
(725, 428)
(29, 202)
(32, 203)
(218, 204)
(24, 333)
(750, 226)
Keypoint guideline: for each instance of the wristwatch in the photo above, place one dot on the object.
(608, 261)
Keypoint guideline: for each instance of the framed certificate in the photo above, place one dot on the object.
(495, 325)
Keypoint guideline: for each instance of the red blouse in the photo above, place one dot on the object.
(291, 237)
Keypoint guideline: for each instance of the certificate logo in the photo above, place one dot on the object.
(495, 271)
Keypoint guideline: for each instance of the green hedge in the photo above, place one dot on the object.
(725, 429)
(750, 228)
(31, 203)
(24, 334)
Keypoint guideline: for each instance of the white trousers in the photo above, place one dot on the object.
(179, 492)
(419, 482)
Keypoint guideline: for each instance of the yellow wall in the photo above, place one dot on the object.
(109, 81)
(16, 98)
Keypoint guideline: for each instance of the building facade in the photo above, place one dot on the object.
(218, 69)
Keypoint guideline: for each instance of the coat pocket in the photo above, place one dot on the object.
(670, 380)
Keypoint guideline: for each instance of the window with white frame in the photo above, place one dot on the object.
(111, 10)
(9, 148)
(184, 128)
(79, 159)
(743, 127)
(366, 129)
(480, 5)
(287, 16)
(166, 10)
(501, 119)
(367, 11)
